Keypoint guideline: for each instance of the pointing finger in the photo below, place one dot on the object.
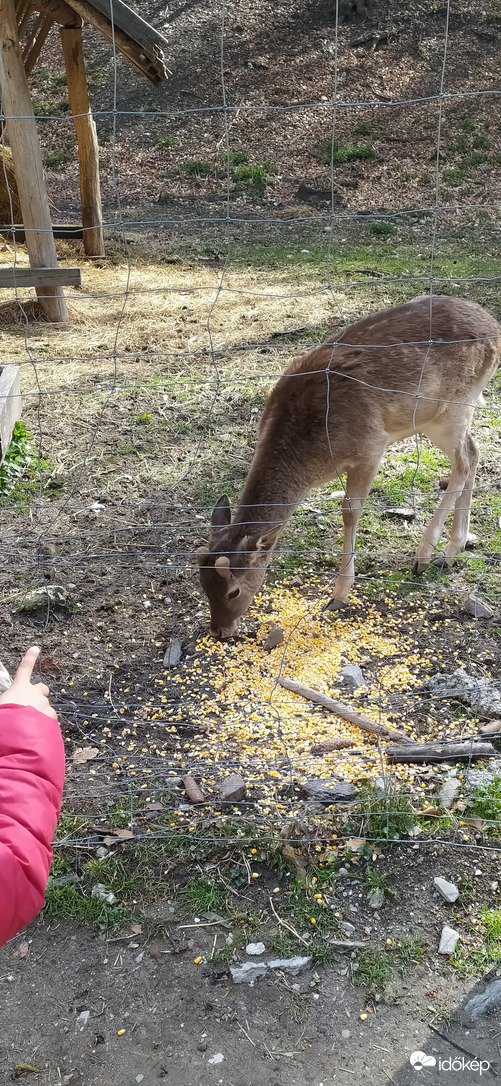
(25, 669)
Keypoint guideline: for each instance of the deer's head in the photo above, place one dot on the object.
(233, 567)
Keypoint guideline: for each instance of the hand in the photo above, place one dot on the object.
(22, 691)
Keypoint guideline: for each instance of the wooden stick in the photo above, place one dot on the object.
(34, 46)
(27, 160)
(440, 752)
(344, 711)
(192, 790)
(88, 149)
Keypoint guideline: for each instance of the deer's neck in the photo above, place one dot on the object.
(271, 493)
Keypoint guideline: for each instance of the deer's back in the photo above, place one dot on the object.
(367, 380)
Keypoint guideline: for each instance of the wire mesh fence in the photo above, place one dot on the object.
(242, 227)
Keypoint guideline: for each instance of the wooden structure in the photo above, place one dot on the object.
(24, 27)
(10, 405)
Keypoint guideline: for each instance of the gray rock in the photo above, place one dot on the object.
(353, 676)
(173, 653)
(376, 898)
(483, 697)
(102, 894)
(248, 972)
(232, 789)
(83, 1018)
(255, 948)
(47, 594)
(473, 605)
(482, 778)
(484, 1001)
(346, 927)
(448, 940)
(400, 512)
(448, 792)
(447, 890)
(292, 966)
(275, 637)
(345, 1033)
(318, 790)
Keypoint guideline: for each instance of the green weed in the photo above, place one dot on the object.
(382, 229)
(340, 153)
(166, 143)
(255, 176)
(54, 160)
(385, 817)
(363, 128)
(71, 903)
(17, 460)
(202, 895)
(486, 803)
(198, 168)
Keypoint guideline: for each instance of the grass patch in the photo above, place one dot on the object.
(17, 461)
(487, 952)
(72, 903)
(485, 803)
(382, 229)
(54, 160)
(202, 895)
(385, 817)
(255, 176)
(373, 968)
(341, 153)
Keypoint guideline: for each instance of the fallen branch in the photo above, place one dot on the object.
(440, 752)
(341, 709)
(192, 790)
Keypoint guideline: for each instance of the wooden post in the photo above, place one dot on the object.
(88, 149)
(27, 159)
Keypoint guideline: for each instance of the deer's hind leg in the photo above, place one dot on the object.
(464, 460)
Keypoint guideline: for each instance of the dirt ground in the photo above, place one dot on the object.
(155, 1014)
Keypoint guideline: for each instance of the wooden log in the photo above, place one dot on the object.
(441, 752)
(35, 43)
(88, 148)
(345, 711)
(10, 405)
(148, 58)
(27, 159)
(40, 277)
(24, 12)
(192, 790)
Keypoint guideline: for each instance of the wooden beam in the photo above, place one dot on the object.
(59, 11)
(148, 60)
(27, 159)
(23, 12)
(88, 148)
(39, 277)
(34, 46)
(10, 405)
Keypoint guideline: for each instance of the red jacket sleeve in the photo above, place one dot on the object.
(31, 787)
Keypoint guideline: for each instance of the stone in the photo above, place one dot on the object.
(248, 972)
(316, 789)
(494, 728)
(353, 676)
(83, 1018)
(484, 1001)
(477, 607)
(255, 948)
(483, 697)
(447, 890)
(102, 894)
(274, 638)
(346, 927)
(292, 966)
(400, 512)
(448, 792)
(345, 1034)
(232, 789)
(448, 940)
(217, 1058)
(482, 778)
(36, 598)
(376, 898)
(173, 653)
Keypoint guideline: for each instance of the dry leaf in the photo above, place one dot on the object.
(154, 806)
(118, 835)
(427, 811)
(293, 858)
(85, 754)
(355, 843)
(136, 929)
(477, 823)
(22, 950)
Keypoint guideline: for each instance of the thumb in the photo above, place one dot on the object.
(25, 669)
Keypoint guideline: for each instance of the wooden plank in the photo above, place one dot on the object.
(10, 405)
(149, 61)
(59, 11)
(34, 46)
(132, 24)
(88, 148)
(40, 277)
(27, 159)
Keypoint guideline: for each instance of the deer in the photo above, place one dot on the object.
(414, 369)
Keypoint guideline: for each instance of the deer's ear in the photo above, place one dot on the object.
(221, 513)
(201, 554)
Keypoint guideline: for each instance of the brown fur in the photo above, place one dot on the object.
(417, 368)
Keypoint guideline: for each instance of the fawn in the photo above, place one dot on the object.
(417, 368)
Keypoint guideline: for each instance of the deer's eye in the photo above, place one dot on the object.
(233, 594)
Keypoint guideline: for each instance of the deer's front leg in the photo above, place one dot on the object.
(358, 484)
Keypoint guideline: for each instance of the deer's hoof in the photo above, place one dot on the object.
(440, 561)
(419, 565)
(333, 605)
